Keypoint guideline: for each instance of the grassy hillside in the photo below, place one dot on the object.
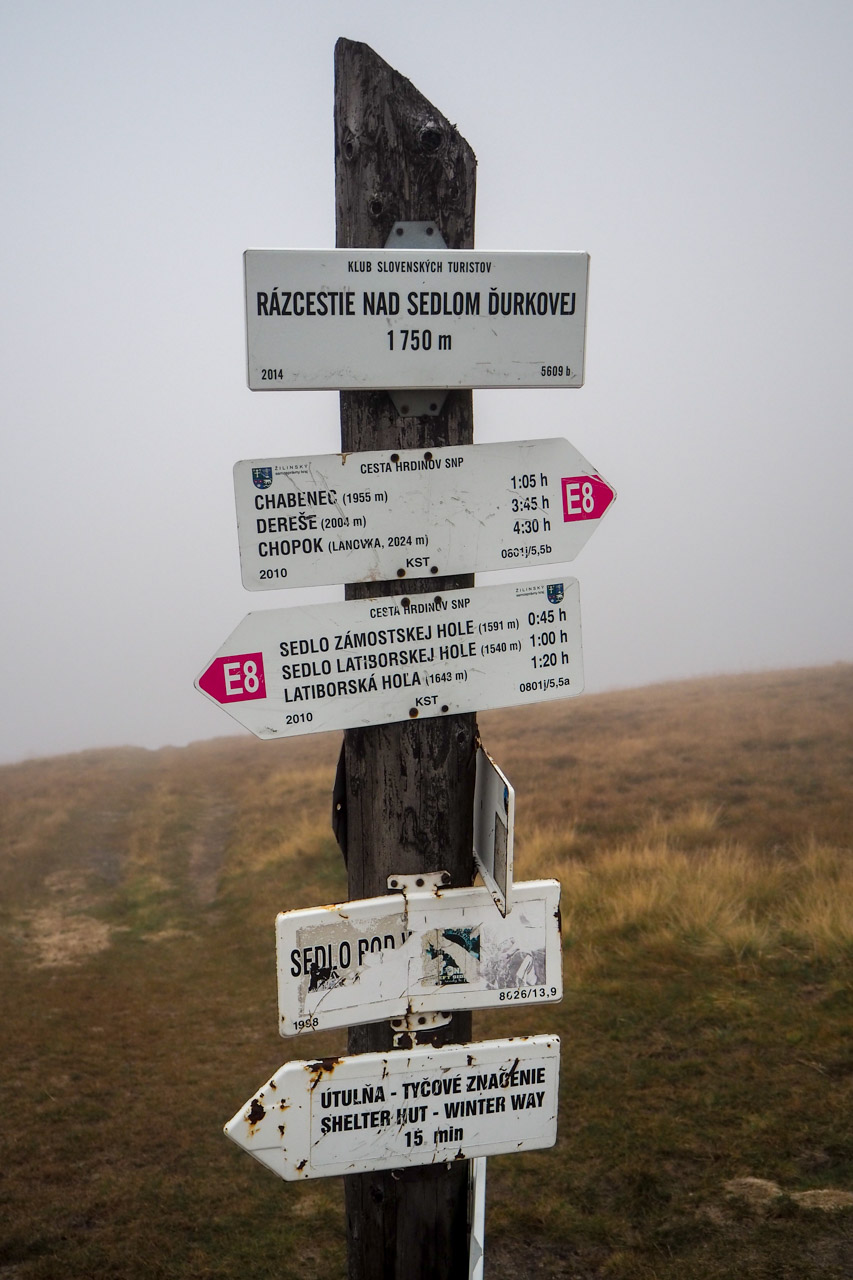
(703, 834)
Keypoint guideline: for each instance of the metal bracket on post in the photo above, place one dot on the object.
(416, 1028)
(416, 235)
(434, 880)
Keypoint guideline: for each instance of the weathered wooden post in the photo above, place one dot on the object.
(405, 789)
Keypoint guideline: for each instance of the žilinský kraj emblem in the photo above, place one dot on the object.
(555, 592)
(262, 477)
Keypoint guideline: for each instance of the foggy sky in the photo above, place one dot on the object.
(700, 154)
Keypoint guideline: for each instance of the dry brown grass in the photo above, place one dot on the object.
(770, 755)
(711, 898)
(702, 835)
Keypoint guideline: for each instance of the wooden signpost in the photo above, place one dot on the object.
(408, 787)
(404, 318)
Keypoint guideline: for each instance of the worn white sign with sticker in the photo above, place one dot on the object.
(404, 1107)
(431, 951)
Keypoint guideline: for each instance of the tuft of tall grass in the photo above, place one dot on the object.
(692, 828)
(677, 885)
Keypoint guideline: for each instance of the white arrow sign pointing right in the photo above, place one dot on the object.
(413, 513)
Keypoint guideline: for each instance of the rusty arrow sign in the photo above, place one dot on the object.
(404, 1107)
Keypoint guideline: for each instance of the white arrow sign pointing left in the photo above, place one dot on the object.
(404, 1107)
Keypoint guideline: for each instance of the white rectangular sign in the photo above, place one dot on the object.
(404, 1107)
(361, 662)
(494, 823)
(424, 952)
(388, 319)
(410, 513)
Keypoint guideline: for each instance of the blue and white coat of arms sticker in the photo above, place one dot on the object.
(555, 592)
(262, 477)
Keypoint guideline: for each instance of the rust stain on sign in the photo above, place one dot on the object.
(320, 1067)
(255, 1115)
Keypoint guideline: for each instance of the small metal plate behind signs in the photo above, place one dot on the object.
(404, 1107)
(421, 952)
(494, 823)
(415, 235)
